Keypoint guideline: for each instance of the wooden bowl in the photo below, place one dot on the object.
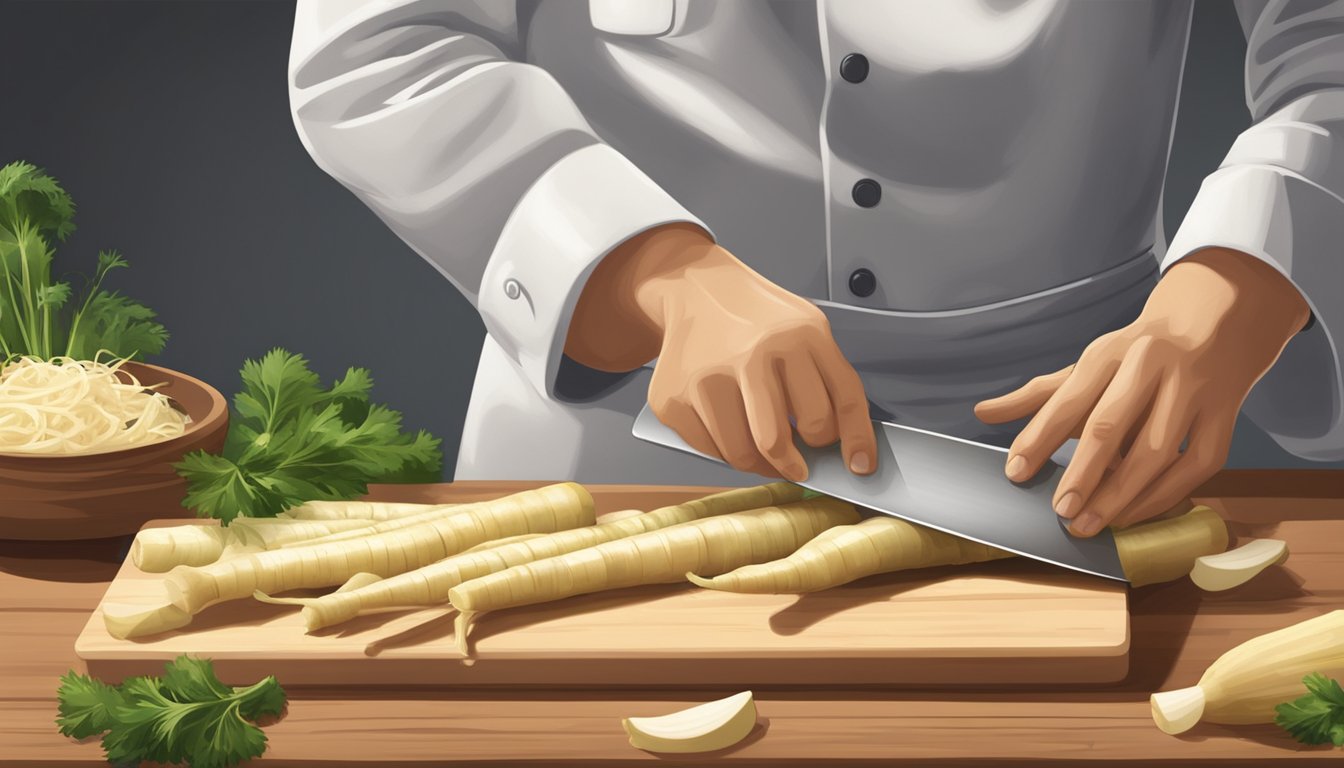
(50, 498)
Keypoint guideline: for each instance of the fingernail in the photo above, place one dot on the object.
(1069, 505)
(860, 463)
(1017, 467)
(797, 473)
(1087, 524)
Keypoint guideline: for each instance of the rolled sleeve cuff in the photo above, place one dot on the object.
(1297, 227)
(581, 208)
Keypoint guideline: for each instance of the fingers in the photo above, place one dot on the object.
(718, 400)
(768, 420)
(1155, 448)
(1116, 415)
(683, 419)
(1061, 415)
(1023, 401)
(1205, 454)
(809, 402)
(857, 441)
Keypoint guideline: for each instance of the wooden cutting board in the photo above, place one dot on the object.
(1006, 622)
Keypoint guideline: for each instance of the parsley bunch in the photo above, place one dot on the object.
(37, 317)
(186, 716)
(1317, 717)
(290, 441)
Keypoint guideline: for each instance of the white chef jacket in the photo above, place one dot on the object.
(970, 190)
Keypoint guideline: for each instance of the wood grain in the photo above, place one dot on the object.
(997, 623)
(1176, 633)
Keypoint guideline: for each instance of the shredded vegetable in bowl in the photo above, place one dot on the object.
(68, 407)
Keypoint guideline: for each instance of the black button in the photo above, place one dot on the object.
(862, 283)
(854, 67)
(867, 193)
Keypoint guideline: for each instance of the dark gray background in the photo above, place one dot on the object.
(169, 124)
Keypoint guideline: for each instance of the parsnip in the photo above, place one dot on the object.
(158, 550)
(435, 512)
(703, 728)
(269, 533)
(358, 510)
(711, 545)
(555, 507)
(1245, 684)
(430, 585)
(1215, 573)
(1150, 552)
(1166, 550)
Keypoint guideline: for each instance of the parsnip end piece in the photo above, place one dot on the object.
(128, 621)
(461, 628)
(700, 581)
(1177, 711)
(703, 728)
(265, 598)
(1214, 573)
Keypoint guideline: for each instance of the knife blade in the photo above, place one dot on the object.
(953, 485)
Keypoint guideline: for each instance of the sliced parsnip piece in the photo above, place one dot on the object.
(702, 728)
(1214, 573)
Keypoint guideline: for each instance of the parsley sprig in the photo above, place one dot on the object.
(186, 716)
(1318, 716)
(290, 441)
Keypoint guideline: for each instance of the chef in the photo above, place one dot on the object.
(771, 219)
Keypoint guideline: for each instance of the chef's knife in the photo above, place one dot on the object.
(956, 486)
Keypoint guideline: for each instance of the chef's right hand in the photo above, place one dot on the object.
(737, 354)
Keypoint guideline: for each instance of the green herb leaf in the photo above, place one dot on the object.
(53, 296)
(187, 716)
(118, 324)
(86, 706)
(292, 441)
(1317, 717)
(30, 198)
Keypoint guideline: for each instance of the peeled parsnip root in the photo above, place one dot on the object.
(554, 507)
(1214, 573)
(437, 512)
(611, 517)
(358, 510)
(1166, 550)
(712, 545)
(1150, 552)
(430, 585)
(845, 553)
(126, 621)
(269, 533)
(1245, 684)
(159, 550)
(704, 728)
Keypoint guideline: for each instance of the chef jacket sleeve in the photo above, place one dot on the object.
(479, 161)
(1279, 196)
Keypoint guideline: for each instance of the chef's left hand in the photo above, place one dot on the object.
(1215, 322)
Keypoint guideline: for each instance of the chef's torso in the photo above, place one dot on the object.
(969, 189)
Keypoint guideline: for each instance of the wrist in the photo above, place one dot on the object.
(618, 321)
(1239, 283)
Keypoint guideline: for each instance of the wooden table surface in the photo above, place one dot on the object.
(48, 590)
